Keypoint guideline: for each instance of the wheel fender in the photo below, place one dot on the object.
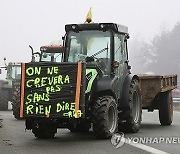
(107, 85)
(124, 100)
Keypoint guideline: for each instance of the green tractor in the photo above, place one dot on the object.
(13, 75)
(111, 90)
(92, 86)
(47, 54)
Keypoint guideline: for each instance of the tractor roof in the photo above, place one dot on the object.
(52, 48)
(15, 63)
(97, 26)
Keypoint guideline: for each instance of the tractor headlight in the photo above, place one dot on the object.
(43, 49)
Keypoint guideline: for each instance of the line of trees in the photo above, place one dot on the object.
(161, 56)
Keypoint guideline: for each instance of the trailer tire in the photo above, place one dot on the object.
(43, 130)
(81, 127)
(130, 118)
(4, 98)
(105, 117)
(166, 108)
(16, 102)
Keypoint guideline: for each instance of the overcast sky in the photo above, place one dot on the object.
(39, 22)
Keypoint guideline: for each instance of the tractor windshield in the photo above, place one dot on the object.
(51, 57)
(14, 72)
(93, 45)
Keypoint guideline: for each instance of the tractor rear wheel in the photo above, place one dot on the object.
(105, 117)
(16, 102)
(130, 118)
(166, 108)
(4, 98)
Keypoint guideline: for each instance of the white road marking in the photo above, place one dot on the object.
(144, 147)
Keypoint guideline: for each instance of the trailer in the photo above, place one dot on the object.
(157, 94)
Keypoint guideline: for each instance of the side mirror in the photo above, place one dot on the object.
(129, 67)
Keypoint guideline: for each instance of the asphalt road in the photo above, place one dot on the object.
(157, 139)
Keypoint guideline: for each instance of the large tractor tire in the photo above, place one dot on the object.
(16, 102)
(166, 108)
(44, 130)
(130, 117)
(81, 127)
(105, 117)
(4, 98)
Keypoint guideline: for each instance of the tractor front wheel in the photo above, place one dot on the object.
(16, 102)
(4, 98)
(105, 117)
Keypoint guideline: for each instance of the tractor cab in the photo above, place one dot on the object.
(101, 44)
(51, 53)
(13, 71)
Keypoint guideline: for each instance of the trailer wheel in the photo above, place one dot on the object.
(81, 127)
(43, 130)
(4, 98)
(105, 117)
(166, 108)
(16, 102)
(130, 118)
